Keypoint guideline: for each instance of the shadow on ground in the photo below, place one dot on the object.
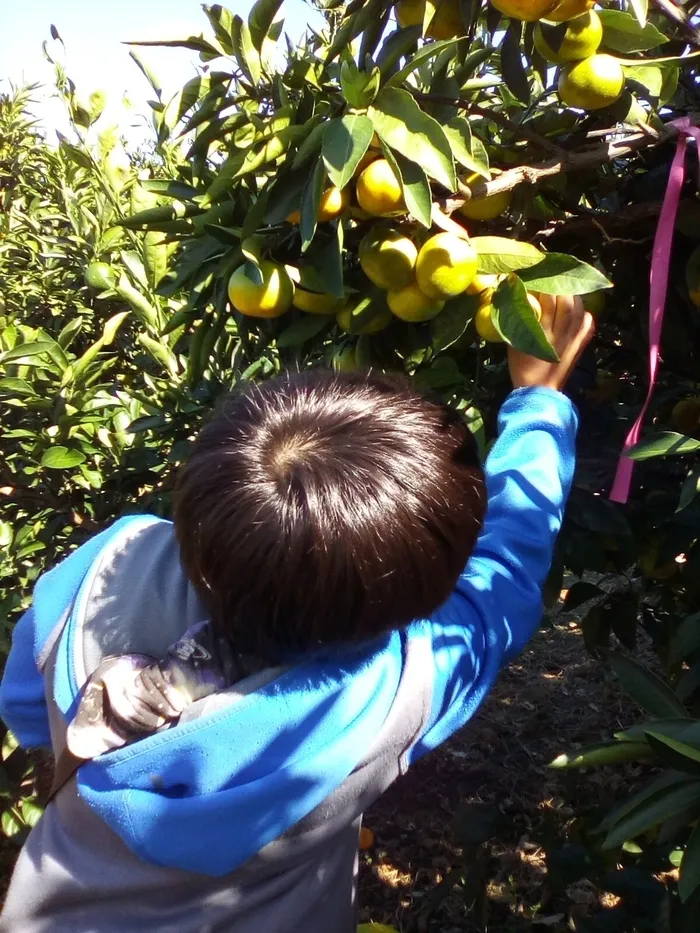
(554, 697)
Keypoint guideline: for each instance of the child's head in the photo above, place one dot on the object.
(320, 508)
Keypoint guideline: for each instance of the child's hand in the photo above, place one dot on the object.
(568, 328)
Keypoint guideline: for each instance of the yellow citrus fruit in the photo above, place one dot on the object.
(484, 325)
(593, 83)
(332, 204)
(370, 156)
(387, 257)
(570, 9)
(350, 325)
(366, 840)
(692, 276)
(580, 40)
(316, 302)
(446, 265)
(485, 208)
(445, 24)
(271, 298)
(411, 304)
(685, 416)
(379, 190)
(527, 10)
(480, 283)
(376, 928)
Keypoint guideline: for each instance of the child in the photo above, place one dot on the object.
(226, 695)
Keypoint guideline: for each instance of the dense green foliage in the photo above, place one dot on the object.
(117, 335)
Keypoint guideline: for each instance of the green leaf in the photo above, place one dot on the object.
(650, 77)
(415, 186)
(639, 8)
(607, 753)
(70, 332)
(221, 21)
(310, 200)
(659, 808)
(193, 43)
(11, 823)
(685, 640)
(645, 688)
(453, 321)
(501, 254)
(397, 44)
(404, 127)
(424, 54)
(26, 351)
(463, 147)
(345, 142)
(674, 754)
(353, 25)
(170, 188)
(359, 88)
(61, 458)
(517, 322)
(682, 730)
(689, 879)
(260, 20)
(310, 145)
(512, 67)
(689, 489)
(11, 385)
(148, 74)
(560, 274)
(327, 262)
(623, 33)
(246, 55)
(306, 328)
(664, 444)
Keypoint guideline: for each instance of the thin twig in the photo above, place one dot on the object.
(676, 15)
(496, 117)
(591, 157)
(603, 221)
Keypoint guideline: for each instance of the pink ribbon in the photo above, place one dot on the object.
(658, 286)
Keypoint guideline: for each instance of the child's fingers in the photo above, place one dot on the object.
(580, 335)
(549, 307)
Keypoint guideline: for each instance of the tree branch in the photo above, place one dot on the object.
(496, 117)
(590, 157)
(677, 15)
(602, 223)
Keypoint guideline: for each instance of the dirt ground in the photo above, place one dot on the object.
(554, 697)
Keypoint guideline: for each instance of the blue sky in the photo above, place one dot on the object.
(93, 31)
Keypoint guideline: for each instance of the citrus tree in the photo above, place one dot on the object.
(395, 191)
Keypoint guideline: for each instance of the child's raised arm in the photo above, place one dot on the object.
(497, 603)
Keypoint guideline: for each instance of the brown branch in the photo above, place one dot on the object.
(496, 117)
(603, 222)
(582, 160)
(677, 15)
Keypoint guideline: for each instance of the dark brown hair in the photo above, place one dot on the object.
(319, 508)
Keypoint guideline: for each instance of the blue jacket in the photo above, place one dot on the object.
(268, 761)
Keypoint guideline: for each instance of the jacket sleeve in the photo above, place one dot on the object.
(22, 702)
(497, 603)
(22, 699)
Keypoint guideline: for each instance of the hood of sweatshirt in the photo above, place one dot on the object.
(245, 764)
